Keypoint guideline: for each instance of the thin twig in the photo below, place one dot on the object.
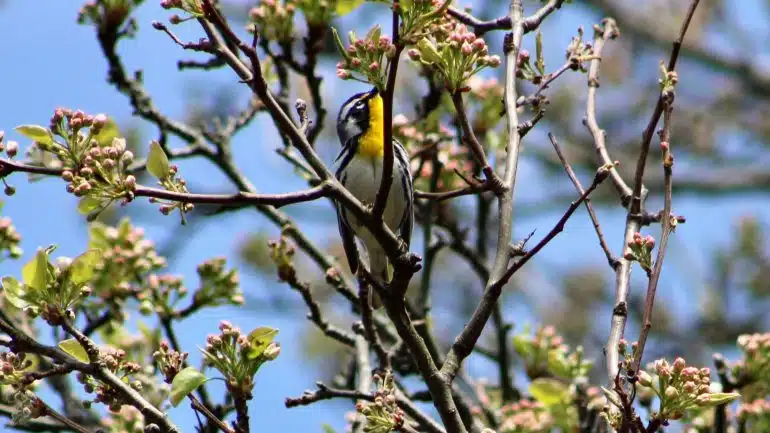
(636, 205)
(492, 179)
(504, 23)
(611, 259)
(667, 228)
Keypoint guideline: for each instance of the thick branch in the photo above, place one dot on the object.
(467, 339)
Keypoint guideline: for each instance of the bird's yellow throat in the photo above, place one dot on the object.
(372, 141)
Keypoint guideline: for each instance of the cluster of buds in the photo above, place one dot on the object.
(93, 165)
(12, 366)
(239, 356)
(420, 18)
(318, 13)
(273, 21)
(103, 175)
(169, 361)
(218, 284)
(579, 51)
(525, 416)
(640, 250)
(127, 259)
(9, 239)
(366, 59)
(127, 420)
(426, 139)
(535, 350)
(11, 148)
(282, 254)
(116, 362)
(486, 109)
(51, 291)
(455, 55)
(755, 414)
(26, 406)
(66, 122)
(755, 363)
(107, 15)
(383, 414)
(680, 387)
(161, 294)
(194, 8)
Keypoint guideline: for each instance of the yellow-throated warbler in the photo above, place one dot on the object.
(359, 168)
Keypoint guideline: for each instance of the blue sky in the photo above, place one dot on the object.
(50, 61)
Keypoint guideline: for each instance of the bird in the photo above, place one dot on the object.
(359, 168)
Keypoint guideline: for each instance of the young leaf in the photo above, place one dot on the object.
(73, 348)
(89, 204)
(35, 272)
(185, 382)
(428, 51)
(344, 7)
(260, 338)
(109, 131)
(37, 133)
(81, 269)
(13, 292)
(327, 428)
(157, 161)
(548, 391)
(340, 45)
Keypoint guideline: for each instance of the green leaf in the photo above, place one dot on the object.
(37, 133)
(260, 338)
(558, 365)
(157, 161)
(522, 345)
(327, 428)
(374, 34)
(13, 292)
(428, 51)
(82, 268)
(35, 272)
(548, 391)
(340, 45)
(185, 382)
(108, 132)
(73, 348)
(89, 204)
(344, 7)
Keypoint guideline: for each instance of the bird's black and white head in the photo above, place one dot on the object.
(357, 114)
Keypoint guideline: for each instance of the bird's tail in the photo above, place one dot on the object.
(379, 268)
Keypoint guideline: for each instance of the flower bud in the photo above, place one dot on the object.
(12, 148)
(494, 61)
(466, 49)
(679, 365)
(343, 74)
(671, 392)
(644, 378)
(130, 182)
(374, 66)
(413, 54)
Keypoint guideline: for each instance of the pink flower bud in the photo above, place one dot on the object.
(12, 148)
(494, 61)
(413, 54)
(466, 49)
(374, 66)
(343, 74)
(479, 44)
